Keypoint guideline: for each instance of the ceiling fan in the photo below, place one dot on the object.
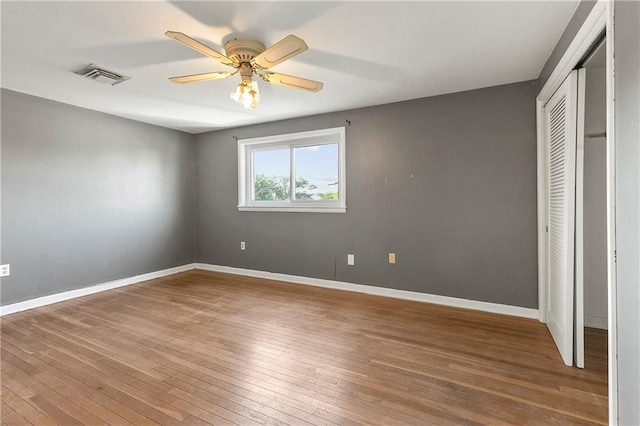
(249, 57)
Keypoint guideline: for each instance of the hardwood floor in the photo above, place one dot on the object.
(595, 349)
(208, 348)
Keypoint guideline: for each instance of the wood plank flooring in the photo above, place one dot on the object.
(207, 348)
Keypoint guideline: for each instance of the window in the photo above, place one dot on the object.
(295, 172)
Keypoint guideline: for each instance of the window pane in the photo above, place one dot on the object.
(271, 171)
(316, 172)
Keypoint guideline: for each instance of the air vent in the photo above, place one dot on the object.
(101, 75)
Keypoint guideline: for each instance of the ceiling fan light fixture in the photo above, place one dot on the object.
(247, 93)
(249, 58)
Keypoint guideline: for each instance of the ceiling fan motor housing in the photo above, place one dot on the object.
(243, 51)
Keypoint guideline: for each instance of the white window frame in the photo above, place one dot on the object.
(292, 140)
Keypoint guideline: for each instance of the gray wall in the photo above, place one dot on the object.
(595, 200)
(448, 183)
(572, 28)
(627, 127)
(88, 197)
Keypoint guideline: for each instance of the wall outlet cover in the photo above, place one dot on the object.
(351, 260)
(392, 258)
(5, 270)
(242, 245)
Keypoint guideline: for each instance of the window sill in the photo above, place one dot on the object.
(293, 209)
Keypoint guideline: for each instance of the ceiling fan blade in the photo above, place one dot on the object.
(292, 81)
(202, 77)
(199, 47)
(286, 48)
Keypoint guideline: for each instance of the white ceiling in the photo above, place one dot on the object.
(366, 53)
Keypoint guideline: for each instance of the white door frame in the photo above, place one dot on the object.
(599, 20)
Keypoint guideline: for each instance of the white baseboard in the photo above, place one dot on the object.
(72, 294)
(317, 282)
(596, 322)
(380, 291)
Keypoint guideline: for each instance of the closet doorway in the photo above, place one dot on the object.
(575, 120)
(572, 137)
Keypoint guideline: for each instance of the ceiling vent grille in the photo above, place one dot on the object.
(101, 75)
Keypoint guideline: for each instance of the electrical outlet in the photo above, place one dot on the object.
(350, 260)
(242, 246)
(392, 258)
(5, 270)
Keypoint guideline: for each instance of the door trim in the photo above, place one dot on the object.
(600, 19)
(612, 287)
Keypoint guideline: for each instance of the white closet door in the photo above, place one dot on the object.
(560, 123)
(579, 288)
